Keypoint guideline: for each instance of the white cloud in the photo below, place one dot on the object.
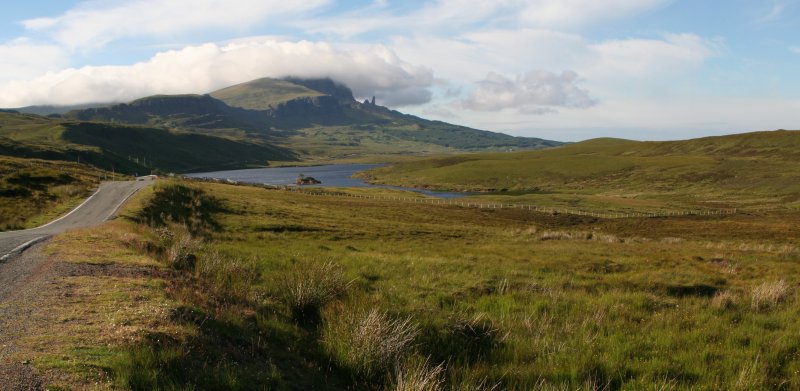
(200, 69)
(21, 59)
(534, 92)
(96, 23)
(620, 67)
(795, 49)
(571, 13)
(644, 58)
(433, 15)
(450, 15)
(774, 13)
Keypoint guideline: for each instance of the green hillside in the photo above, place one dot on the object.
(317, 118)
(761, 167)
(128, 148)
(262, 94)
(33, 191)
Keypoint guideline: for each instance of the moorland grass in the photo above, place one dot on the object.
(725, 171)
(667, 306)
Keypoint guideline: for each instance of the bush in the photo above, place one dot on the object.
(308, 286)
(179, 204)
(368, 343)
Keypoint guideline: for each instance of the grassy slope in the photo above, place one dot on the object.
(116, 146)
(252, 95)
(761, 167)
(33, 192)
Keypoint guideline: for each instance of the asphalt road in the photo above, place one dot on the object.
(96, 209)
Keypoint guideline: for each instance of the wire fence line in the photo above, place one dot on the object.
(482, 205)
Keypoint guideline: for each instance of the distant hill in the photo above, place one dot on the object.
(128, 148)
(758, 165)
(317, 118)
(263, 94)
(56, 110)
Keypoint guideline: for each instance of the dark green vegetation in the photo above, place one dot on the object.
(126, 148)
(753, 170)
(316, 118)
(33, 192)
(289, 291)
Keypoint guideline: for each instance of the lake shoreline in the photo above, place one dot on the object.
(330, 175)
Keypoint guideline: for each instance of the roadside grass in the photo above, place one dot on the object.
(660, 306)
(103, 297)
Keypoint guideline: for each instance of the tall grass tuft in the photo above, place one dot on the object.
(418, 375)
(229, 277)
(308, 286)
(181, 249)
(723, 300)
(750, 376)
(369, 343)
(769, 294)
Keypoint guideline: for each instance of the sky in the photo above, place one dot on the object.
(565, 70)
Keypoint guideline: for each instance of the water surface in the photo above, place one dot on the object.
(331, 175)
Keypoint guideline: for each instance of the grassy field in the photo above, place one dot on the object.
(278, 290)
(34, 192)
(753, 170)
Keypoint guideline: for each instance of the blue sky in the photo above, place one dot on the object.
(559, 69)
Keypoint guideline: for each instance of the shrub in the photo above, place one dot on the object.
(179, 204)
(768, 294)
(368, 343)
(308, 286)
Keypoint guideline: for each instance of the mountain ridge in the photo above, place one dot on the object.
(309, 115)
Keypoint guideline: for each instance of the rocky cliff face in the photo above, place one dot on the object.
(325, 105)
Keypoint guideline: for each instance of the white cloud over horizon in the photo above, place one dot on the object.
(200, 69)
(23, 58)
(534, 92)
(93, 24)
(571, 13)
